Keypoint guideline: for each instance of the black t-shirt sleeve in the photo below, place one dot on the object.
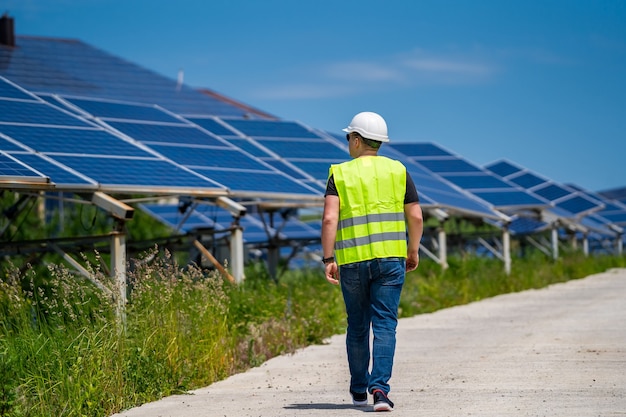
(410, 196)
(330, 187)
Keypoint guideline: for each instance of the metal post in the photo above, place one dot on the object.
(237, 254)
(555, 243)
(443, 248)
(506, 249)
(118, 271)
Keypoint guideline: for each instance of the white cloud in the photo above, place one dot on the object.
(361, 71)
(388, 73)
(438, 65)
(301, 91)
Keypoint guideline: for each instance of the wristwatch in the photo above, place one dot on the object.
(328, 260)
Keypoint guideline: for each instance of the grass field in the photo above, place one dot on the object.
(65, 352)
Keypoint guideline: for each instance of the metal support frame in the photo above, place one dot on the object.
(236, 243)
(539, 246)
(555, 241)
(118, 269)
(80, 269)
(506, 249)
(237, 254)
(504, 254)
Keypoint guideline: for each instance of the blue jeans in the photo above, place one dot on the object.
(371, 291)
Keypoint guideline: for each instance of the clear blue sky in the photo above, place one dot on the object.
(541, 83)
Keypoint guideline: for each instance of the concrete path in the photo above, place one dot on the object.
(558, 351)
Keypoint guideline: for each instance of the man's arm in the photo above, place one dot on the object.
(330, 219)
(415, 225)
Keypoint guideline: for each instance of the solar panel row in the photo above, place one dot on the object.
(560, 196)
(499, 194)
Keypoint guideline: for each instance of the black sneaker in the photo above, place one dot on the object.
(381, 402)
(359, 398)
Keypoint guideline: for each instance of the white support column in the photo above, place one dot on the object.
(118, 270)
(443, 248)
(586, 244)
(555, 243)
(237, 254)
(506, 249)
(620, 244)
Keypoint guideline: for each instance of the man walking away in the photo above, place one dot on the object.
(369, 204)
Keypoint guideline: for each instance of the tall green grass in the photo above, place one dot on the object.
(64, 352)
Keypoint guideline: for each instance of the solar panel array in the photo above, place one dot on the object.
(257, 229)
(591, 210)
(500, 194)
(438, 191)
(200, 151)
(286, 145)
(71, 67)
(560, 196)
(613, 212)
(76, 118)
(77, 154)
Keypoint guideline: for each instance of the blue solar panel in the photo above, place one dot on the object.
(303, 149)
(133, 171)
(62, 149)
(577, 204)
(447, 165)
(390, 151)
(248, 146)
(57, 174)
(73, 68)
(524, 225)
(255, 229)
(565, 198)
(271, 128)
(11, 167)
(316, 169)
(157, 133)
(7, 145)
(267, 182)
(481, 181)
(493, 191)
(35, 112)
(8, 90)
(115, 110)
(170, 215)
(527, 180)
(618, 218)
(287, 169)
(437, 191)
(212, 126)
(71, 140)
(190, 146)
(552, 192)
(613, 211)
(292, 228)
(420, 149)
(503, 168)
(195, 156)
(509, 198)
(289, 147)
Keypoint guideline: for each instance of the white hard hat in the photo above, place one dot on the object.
(369, 125)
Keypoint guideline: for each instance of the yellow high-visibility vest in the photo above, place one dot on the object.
(371, 209)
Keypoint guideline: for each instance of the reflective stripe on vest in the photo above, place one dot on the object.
(371, 209)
